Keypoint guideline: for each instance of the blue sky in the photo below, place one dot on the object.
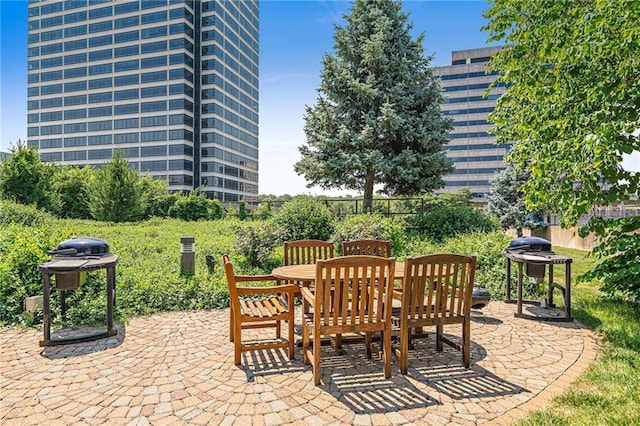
(294, 36)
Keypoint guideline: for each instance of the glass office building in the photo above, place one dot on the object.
(172, 84)
(471, 148)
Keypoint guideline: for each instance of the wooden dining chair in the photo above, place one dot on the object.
(259, 307)
(380, 248)
(306, 252)
(353, 294)
(436, 291)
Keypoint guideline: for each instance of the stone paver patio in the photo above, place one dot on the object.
(177, 368)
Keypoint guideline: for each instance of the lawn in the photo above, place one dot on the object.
(609, 391)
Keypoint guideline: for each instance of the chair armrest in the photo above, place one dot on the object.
(307, 295)
(257, 278)
(247, 291)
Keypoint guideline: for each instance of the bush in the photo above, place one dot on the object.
(371, 226)
(22, 249)
(11, 212)
(449, 221)
(71, 184)
(256, 244)
(304, 218)
(196, 206)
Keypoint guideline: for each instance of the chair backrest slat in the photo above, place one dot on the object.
(367, 247)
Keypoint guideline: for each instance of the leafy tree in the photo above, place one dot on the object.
(114, 193)
(506, 201)
(25, 179)
(71, 184)
(572, 104)
(196, 206)
(377, 119)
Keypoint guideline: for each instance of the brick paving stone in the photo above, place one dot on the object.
(177, 368)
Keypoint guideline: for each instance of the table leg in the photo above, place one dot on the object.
(551, 286)
(508, 280)
(46, 309)
(519, 305)
(111, 279)
(567, 296)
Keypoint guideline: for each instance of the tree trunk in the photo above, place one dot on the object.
(367, 203)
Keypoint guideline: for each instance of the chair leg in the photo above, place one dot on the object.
(278, 328)
(237, 343)
(439, 332)
(367, 343)
(231, 324)
(386, 352)
(291, 329)
(305, 342)
(316, 357)
(466, 343)
(404, 349)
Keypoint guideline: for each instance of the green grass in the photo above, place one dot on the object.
(609, 391)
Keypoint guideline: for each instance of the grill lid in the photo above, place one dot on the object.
(81, 246)
(529, 244)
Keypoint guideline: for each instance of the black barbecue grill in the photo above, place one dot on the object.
(535, 254)
(71, 261)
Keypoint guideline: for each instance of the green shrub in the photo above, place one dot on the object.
(304, 218)
(371, 226)
(71, 184)
(11, 212)
(196, 206)
(22, 249)
(256, 244)
(449, 221)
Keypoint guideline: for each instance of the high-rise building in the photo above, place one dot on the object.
(471, 149)
(172, 84)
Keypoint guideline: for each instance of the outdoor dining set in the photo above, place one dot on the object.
(363, 294)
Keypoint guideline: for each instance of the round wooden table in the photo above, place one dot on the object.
(307, 273)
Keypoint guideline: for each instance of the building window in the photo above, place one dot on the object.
(157, 135)
(125, 123)
(100, 111)
(148, 92)
(77, 141)
(75, 155)
(95, 98)
(100, 83)
(128, 36)
(100, 69)
(125, 109)
(154, 32)
(99, 140)
(96, 126)
(50, 143)
(153, 166)
(75, 127)
(72, 114)
(149, 77)
(75, 72)
(153, 151)
(159, 120)
(126, 80)
(119, 52)
(98, 27)
(119, 95)
(126, 138)
(130, 21)
(99, 154)
(100, 55)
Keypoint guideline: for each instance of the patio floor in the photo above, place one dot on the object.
(177, 368)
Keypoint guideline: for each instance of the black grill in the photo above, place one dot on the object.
(81, 247)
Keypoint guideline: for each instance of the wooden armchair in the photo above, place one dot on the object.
(259, 307)
(367, 247)
(353, 294)
(436, 291)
